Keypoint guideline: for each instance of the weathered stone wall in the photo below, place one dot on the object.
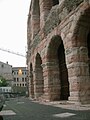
(67, 23)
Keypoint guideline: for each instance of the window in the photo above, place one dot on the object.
(14, 79)
(3, 90)
(25, 79)
(25, 73)
(6, 90)
(22, 79)
(17, 79)
(2, 65)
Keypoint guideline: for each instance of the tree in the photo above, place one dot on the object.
(3, 82)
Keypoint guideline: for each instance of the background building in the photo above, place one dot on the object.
(6, 72)
(20, 79)
(58, 56)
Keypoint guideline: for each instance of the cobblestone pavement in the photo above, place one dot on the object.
(25, 109)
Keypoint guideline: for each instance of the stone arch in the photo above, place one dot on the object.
(80, 78)
(31, 82)
(39, 81)
(82, 21)
(58, 73)
(45, 7)
(35, 17)
(82, 34)
(52, 47)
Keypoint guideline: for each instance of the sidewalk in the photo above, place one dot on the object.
(71, 106)
(66, 105)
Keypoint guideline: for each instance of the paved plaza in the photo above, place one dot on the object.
(25, 109)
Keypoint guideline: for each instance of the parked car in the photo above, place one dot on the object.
(2, 101)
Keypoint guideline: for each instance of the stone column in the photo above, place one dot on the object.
(36, 95)
(31, 86)
(78, 72)
(51, 81)
(38, 84)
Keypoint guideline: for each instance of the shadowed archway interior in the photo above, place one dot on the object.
(31, 81)
(39, 76)
(88, 46)
(63, 73)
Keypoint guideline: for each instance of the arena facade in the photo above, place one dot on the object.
(58, 53)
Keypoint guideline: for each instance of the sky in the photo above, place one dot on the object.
(13, 31)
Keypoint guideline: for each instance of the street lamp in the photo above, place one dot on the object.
(20, 72)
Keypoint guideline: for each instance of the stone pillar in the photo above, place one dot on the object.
(51, 81)
(38, 84)
(35, 85)
(31, 87)
(78, 72)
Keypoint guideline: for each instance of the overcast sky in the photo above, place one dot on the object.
(13, 30)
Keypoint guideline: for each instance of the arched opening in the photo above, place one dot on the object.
(88, 46)
(63, 74)
(55, 2)
(31, 82)
(58, 73)
(39, 76)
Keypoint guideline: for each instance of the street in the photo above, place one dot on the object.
(25, 109)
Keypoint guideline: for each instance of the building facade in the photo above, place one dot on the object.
(19, 79)
(6, 72)
(20, 76)
(58, 55)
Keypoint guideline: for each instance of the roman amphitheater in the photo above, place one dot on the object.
(58, 55)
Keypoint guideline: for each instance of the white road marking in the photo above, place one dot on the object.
(62, 115)
(7, 112)
(20, 102)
